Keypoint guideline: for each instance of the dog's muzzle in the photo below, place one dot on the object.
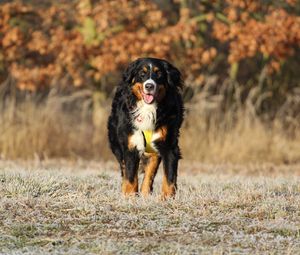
(149, 91)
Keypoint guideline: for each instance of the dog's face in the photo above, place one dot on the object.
(151, 78)
(149, 81)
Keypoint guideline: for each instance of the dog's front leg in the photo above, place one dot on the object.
(130, 174)
(153, 160)
(170, 165)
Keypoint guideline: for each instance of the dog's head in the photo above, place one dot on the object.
(150, 79)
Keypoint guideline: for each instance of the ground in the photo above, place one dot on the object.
(76, 208)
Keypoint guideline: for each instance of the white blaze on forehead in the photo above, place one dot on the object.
(150, 67)
(150, 80)
(149, 91)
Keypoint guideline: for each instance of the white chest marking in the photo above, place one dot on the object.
(144, 116)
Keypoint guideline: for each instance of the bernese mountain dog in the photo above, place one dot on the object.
(147, 112)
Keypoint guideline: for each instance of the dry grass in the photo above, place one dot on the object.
(31, 130)
(247, 140)
(72, 124)
(76, 208)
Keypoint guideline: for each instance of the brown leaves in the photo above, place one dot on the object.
(87, 40)
(275, 36)
(55, 48)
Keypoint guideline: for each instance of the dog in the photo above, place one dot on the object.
(146, 116)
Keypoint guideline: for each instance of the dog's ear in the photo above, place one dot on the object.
(173, 76)
(130, 71)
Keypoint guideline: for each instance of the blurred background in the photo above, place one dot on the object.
(60, 62)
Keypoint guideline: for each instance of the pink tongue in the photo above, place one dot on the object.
(148, 98)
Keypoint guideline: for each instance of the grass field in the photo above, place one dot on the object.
(76, 208)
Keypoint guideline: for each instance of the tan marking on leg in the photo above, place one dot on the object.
(163, 133)
(137, 90)
(128, 188)
(150, 172)
(160, 134)
(130, 145)
(161, 93)
(168, 189)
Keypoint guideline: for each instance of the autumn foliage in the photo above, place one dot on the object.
(78, 44)
(81, 42)
(87, 43)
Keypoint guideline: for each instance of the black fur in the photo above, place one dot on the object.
(169, 113)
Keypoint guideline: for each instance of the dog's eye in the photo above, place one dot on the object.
(158, 73)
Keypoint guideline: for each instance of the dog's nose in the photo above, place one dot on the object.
(149, 86)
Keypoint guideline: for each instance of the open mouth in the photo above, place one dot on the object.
(149, 91)
(148, 98)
